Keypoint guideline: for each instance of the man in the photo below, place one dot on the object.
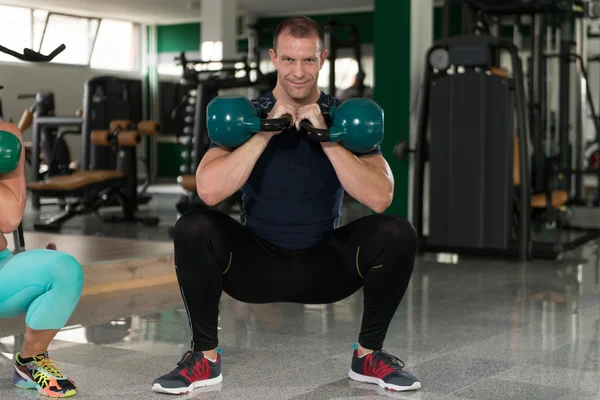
(289, 247)
(42, 284)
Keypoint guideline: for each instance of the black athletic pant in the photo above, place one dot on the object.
(214, 252)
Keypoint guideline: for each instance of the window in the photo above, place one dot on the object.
(169, 69)
(115, 46)
(94, 42)
(77, 33)
(345, 72)
(15, 30)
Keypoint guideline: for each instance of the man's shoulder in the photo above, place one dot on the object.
(264, 102)
(327, 100)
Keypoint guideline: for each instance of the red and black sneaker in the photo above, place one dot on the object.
(383, 369)
(192, 371)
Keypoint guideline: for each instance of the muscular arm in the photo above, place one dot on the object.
(13, 191)
(368, 179)
(222, 172)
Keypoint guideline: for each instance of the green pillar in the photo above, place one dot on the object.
(392, 87)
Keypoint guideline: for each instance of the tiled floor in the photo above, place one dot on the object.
(472, 329)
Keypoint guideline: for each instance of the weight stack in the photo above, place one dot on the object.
(471, 161)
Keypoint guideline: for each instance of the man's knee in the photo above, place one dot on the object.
(195, 233)
(195, 224)
(397, 231)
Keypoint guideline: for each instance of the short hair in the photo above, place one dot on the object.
(299, 27)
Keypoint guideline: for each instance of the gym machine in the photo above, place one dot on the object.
(558, 51)
(95, 189)
(564, 23)
(480, 199)
(55, 149)
(107, 99)
(44, 124)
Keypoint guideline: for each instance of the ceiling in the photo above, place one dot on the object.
(171, 11)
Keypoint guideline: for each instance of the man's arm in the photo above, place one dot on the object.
(13, 190)
(222, 171)
(368, 179)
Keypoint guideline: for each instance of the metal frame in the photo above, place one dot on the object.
(333, 45)
(19, 239)
(38, 124)
(524, 244)
(51, 13)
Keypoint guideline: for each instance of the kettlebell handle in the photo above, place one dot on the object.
(275, 124)
(316, 134)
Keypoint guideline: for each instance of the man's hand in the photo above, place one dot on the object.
(280, 110)
(312, 113)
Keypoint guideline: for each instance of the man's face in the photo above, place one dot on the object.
(298, 62)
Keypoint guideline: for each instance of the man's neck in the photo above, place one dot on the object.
(281, 95)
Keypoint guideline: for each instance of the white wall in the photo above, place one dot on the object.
(66, 81)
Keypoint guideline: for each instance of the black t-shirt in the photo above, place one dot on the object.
(293, 196)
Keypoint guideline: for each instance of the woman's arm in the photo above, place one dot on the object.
(13, 190)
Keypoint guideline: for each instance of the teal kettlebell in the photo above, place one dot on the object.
(357, 124)
(10, 152)
(232, 119)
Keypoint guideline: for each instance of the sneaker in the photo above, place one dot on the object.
(192, 371)
(383, 369)
(42, 374)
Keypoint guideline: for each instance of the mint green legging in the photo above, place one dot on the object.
(43, 284)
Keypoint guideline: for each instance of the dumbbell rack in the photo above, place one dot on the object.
(187, 139)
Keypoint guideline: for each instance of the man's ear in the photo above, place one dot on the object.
(273, 56)
(323, 57)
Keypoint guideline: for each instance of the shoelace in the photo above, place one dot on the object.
(48, 365)
(383, 356)
(188, 361)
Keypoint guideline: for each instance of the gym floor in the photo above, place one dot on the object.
(468, 328)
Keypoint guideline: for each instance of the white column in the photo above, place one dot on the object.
(218, 34)
(151, 66)
(421, 39)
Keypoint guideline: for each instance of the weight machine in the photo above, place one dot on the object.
(482, 195)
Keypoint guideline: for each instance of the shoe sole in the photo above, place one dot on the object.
(23, 382)
(195, 385)
(371, 379)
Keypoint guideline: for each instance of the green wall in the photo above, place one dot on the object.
(174, 38)
(391, 33)
(169, 159)
(177, 38)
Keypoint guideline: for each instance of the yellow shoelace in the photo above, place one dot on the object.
(48, 365)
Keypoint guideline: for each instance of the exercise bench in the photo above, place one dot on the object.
(94, 189)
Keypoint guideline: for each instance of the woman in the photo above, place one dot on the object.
(43, 284)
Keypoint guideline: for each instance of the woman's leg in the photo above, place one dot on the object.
(45, 285)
